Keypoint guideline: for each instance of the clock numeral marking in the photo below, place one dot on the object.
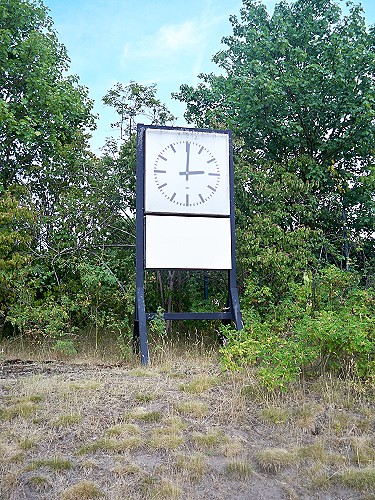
(213, 173)
(201, 149)
(187, 200)
(210, 161)
(160, 171)
(162, 185)
(201, 198)
(162, 158)
(173, 148)
(210, 187)
(173, 197)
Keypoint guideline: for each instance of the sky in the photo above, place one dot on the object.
(149, 41)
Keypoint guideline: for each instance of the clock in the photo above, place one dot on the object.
(186, 172)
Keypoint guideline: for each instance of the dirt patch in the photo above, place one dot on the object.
(181, 430)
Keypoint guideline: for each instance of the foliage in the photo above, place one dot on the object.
(135, 100)
(326, 323)
(300, 84)
(43, 114)
(15, 234)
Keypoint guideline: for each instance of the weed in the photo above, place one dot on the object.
(24, 408)
(67, 420)
(86, 385)
(231, 447)
(199, 384)
(84, 490)
(239, 469)
(55, 463)
(39, 482)
(193, 465)
(192, 408)
(144, 397)
(152, 488)
(274, 459)
(305, 415)
(143, 372)
(314, 451)
(127, 469)
(359, 479)
(175, 423)
(26, 444)
(213, 438)
(274, 415)
(144, 416)
(364, 450)
(107, 444)
(123, 429)
(166, 438)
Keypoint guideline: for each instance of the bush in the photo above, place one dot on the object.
(324, 324)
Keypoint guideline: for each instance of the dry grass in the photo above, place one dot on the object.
(358, 479)
(83, 490)
(199, 384)
(179, 429)
(192, 408)
(239, 469)
(193, 466)
(55, 463)
(275, 459)
(160, 488)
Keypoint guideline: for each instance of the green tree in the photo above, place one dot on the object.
(15, 235)
(133, 101)
(44, 114)
(300, 83)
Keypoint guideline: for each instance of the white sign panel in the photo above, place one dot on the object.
(174, 242)
(186, 172)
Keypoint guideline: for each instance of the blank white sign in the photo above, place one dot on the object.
(178, 242)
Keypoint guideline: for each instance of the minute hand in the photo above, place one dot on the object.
(192, 172)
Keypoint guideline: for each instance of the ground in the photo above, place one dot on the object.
(180, 429)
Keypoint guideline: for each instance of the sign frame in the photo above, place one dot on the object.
(232, 311)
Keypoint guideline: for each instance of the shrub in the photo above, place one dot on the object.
(324, 324)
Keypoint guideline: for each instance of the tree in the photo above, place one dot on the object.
(300, 83)
(135, 100)
(15, 236)
(42, 111)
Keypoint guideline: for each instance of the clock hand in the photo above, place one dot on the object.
(187, 159)
(192, 172)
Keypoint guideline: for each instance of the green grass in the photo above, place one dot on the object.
(213, 438)
(275, 459)
(199, 384)
(83, 490)
(192, 465)
(192, 408)
(152, 488)
(24, 409)
(358, 479)
(167, 438)
(67, 420)
(274, 415)
(55, 463)
(239, 469)
(142, 415)
(108, 444)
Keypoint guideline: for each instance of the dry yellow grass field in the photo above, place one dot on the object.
(181, 428)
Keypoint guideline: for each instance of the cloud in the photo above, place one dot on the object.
(168, 41)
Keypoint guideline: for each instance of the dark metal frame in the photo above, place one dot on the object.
(233, 312)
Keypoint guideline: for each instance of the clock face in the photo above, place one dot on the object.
(186, 172)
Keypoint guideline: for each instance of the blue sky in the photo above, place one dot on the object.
(148, 41)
